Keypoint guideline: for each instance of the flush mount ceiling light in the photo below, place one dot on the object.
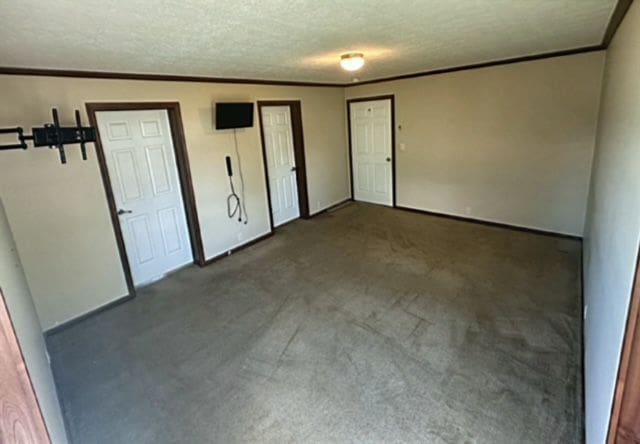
(352, 61)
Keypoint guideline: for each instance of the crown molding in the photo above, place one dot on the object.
(617, 16)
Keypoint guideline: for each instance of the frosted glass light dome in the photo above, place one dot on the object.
(352, 61)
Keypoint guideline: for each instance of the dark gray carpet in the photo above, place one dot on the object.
(366, 324)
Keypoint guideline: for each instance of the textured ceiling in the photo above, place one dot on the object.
(298, 40)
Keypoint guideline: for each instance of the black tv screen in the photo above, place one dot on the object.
(234, 115)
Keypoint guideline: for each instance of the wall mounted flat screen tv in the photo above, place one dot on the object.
(234, 115)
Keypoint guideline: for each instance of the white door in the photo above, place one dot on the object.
(281, 164)
(371, 151)
(146, 187)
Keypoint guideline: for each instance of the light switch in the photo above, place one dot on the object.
(403, 147)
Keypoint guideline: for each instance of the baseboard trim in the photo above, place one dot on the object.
(71, 322)
(65, 325)
(91, 313)
(236, 249)
(491, 223)
(331, 207)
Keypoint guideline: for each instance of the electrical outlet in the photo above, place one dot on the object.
(240, 235)
(467, 210)
(317, 205)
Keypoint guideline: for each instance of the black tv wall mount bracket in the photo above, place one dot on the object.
(54, 136)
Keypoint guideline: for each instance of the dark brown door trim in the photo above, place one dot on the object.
(182, 162)
(295, 108)
(393, 139)
(624, 426)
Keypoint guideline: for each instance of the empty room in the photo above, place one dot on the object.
(320, 222)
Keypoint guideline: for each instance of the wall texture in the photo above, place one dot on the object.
(613, 223)
(510, 144)
(28, 330)
(59, 212)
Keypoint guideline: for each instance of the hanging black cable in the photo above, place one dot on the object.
(235, 204)
(243, 200)
(233, 200)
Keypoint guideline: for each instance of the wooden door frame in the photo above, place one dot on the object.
(392, 98)
(295, 110)
(629, 368)
(26, 411)
(184, 173)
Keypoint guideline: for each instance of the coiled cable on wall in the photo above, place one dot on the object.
(233, 200)
(236, 204)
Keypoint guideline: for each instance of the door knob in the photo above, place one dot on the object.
(294, 168)
(388, 159)
(121, 212)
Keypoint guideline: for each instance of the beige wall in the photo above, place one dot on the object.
(25, 321)
(509, 143)
(612, 234)
(59, 213)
